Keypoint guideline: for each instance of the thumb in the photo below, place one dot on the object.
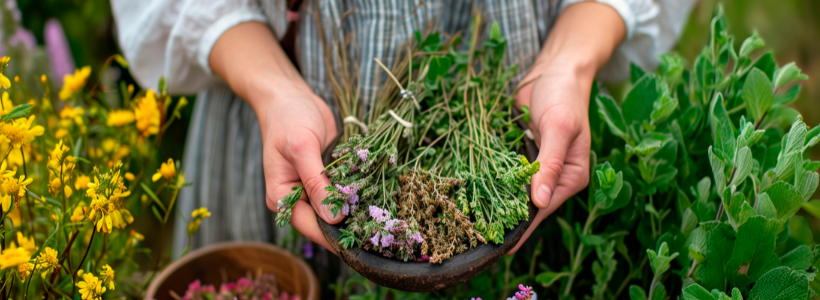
(555, 141)
(306, 157)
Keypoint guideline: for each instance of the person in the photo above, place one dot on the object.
(259, 124)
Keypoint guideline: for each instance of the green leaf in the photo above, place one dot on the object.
(781, 283)
(547, 279)
(765, 207)
(660, 260)
(757, 94)
(750, 44)
(663, 108)
(152, 196)
(718, 170)
(780, 116)
(635, 73)
(568, 235)
(766, 64)
(743, 166)
(20, 111)
(799, 258)
(156, 213)
(77, 146)
(495, 31)
(638, 103)
(753, 253)
(787, 74)
(786, 199)
(689, 222)
(697, 292)
(719, 245)
(636, 293)
(612, 115)
(787, 97)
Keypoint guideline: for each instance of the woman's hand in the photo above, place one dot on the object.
(584, 37)
(296, 124)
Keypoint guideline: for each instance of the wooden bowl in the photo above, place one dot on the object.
(234, 260)
(424, 276)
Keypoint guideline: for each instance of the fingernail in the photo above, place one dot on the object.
(543, 196)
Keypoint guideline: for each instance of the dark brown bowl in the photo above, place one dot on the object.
(425, 276)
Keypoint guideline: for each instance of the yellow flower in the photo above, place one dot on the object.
(4, 81)
(68, 191)
(135, 238)
(105, 193)
(78, 214)
(81, 182)
(197, 215)
(73, 113)
(24, 270)
(166, 170)
(16, 79)
(16, 188)
(193, 226)
(120, 118)
(147, 114)
(201, 213)
(47, 261)
(25, 243)
(74, 83)
(90, 287)
(13, 257)
(7, 105)
(43, 78)
(107, 275)
(129, 176)
(61, 133)
(20, 132)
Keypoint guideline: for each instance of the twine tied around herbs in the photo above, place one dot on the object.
(353, 120)
(399, 119)
(402, 92)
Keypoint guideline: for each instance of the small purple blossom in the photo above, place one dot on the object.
(392, 161)
(375, 239)
(415, 237)
(307, 250)
(380, 215)
(526, 289)
(388, 240)
(424, 257)
(345, 209)
(362, 153)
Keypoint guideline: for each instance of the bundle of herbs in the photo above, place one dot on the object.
(435, 169)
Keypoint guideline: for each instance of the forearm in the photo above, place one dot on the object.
(581, 41)
(249, 59)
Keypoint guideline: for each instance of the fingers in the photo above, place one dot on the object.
(556, 138)
(306, 156)
(304, 220)
(539, 217)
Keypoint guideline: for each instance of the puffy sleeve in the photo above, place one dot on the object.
(652, 28)
(173, 38)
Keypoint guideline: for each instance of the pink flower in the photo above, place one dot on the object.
(387, 240)
(415, 237)
(375, 239)
(380, 215)
(362, 154)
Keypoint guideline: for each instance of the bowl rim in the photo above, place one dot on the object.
(166, 273)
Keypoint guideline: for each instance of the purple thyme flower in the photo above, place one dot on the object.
(424, 257)
(388, 240)
(307, 250)
(380, 215)
(525, 289)
(415, 237)
(375, 239)
(345, 209)
(362, 154)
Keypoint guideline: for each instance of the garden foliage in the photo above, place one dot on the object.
(699, 175)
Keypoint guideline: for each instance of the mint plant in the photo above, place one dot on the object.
(704, 167)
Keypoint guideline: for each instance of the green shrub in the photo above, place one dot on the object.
(706, 166)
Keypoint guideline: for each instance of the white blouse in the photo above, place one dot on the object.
(173, 38)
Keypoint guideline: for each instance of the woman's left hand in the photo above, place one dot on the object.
(559, 102)
(580, 43)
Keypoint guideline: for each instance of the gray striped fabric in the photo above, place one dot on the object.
(223, 155)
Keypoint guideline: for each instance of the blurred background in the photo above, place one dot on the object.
(790, 29)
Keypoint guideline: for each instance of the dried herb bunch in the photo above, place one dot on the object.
(437, 170)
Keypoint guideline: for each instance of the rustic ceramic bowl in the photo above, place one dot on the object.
(233, 260)
(424, 276)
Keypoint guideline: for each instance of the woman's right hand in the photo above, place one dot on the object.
(296, 124)
(296, 127)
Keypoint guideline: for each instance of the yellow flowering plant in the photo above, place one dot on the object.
(77, 169)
